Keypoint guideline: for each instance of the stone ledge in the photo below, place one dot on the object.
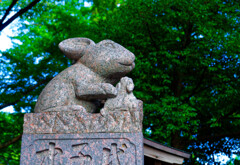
(65, 122)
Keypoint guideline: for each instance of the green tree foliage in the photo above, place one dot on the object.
(11, 128)
(187, 70)
(234, 161)
(187, 64)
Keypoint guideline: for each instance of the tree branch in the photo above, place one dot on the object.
(7, 11)
(232, 118)
(6, 105)
(188, 32)
(14, 140)
(226, 116)
(10, 10)
(194, 91)
(25, 93)
(19, 13)
(151, 37)
(219, 136)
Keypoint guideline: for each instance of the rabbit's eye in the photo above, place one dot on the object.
(110, 45)
(80, 42)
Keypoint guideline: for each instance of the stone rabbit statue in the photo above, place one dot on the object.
(81, 86)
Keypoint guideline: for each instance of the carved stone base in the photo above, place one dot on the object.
(82, 149)
(75, 122)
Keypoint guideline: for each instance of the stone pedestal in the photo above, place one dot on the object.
(81, 138)
(82, 149)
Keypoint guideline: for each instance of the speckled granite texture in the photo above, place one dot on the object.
(83, 122)
(82, 149)
(65, 128)
(124, 113)
(90, 80)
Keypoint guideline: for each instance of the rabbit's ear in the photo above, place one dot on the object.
(75, 48)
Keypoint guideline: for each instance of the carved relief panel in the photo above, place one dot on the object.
(76, 151)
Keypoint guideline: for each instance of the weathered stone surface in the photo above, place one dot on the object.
(82, 149)
(125, 100)
(120, 114)
(66, 130)
(83, 122)
(90, 80)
